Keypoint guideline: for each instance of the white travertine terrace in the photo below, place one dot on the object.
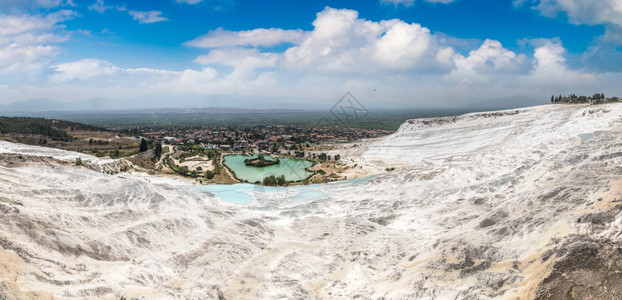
(482, 206)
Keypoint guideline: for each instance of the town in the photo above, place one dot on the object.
(271, 138)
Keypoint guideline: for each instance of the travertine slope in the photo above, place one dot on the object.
(510, 204)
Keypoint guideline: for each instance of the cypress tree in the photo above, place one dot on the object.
(158, 149)
(143, 145)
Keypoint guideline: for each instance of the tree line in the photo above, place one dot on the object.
(573, 98)
(33, 126)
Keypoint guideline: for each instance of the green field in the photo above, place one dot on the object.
(374, 119)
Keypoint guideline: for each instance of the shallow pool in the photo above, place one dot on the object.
(245, 193)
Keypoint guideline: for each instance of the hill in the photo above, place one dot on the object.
(66, 135)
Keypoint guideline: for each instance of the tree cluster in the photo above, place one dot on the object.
(33, 126)
(260, 162)
(275, 180)
(573, 98)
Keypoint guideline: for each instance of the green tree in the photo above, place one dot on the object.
(158, 149)
(322, 156)
(281, 180)
(143, 145)
(269, 181)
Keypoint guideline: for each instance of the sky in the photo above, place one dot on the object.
(123, 54)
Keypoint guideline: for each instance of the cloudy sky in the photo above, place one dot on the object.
(115, 54)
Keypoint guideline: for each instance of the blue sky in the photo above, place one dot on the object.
(115, 54)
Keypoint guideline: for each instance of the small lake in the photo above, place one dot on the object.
(293, 169)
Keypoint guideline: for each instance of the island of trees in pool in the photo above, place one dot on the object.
(260, 162)
(597, 98)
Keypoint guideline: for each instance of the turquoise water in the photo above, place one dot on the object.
(233, 193)
(586, 136)
(359, 181)
(293, 169)
(244, 193)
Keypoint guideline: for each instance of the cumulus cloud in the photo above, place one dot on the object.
(27, 44)
(82, 70)
(405, 62)
(602, 55)
(147, 17)
(492, 57)
(342, 42)
(591, 12)
(550, 66)
(256, 37)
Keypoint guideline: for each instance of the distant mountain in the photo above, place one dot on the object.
(158, 102)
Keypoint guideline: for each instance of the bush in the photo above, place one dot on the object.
(322, 156)
(79, 162)
(209, 174)
(274, 181)
(183, 170)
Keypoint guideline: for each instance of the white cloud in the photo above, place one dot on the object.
(405, 62)
(214, 5)
(256, 37)
(191, 2)
(409, 3)
(550, 67)
(123, 82)
(82, 70)
(243, 61)
(399, 2)
(341, 42)
(147, 17)
(238, 57)
(27, 44)
(491, 57)
(20, 5)
(591, 12)
(100, 7)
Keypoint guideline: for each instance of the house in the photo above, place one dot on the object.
(240, 144)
